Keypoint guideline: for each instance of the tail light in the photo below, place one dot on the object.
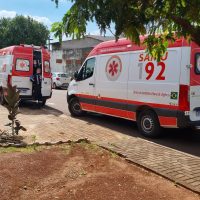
(57, 78)
(184, 103)
(9, 79)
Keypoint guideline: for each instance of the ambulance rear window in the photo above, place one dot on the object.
(47, 67)
(197, 63)
(22, 65)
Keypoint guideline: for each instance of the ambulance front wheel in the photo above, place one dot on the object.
(148, 124)
(75, 107)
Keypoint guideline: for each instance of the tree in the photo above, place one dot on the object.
(162, 20)
(22, 30)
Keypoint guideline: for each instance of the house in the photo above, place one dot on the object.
(68, 56)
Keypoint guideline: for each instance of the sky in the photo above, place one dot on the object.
(44, 11)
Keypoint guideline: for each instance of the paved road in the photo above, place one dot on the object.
(186, 140)
(58, 101)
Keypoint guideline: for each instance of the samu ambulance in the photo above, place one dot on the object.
(120, 79)
(18, 64)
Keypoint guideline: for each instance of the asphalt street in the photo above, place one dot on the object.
(59, 101)
(185, 140)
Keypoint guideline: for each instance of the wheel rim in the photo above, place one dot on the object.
(76, 107)
(147, 124)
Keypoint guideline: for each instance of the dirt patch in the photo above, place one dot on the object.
(80, 171)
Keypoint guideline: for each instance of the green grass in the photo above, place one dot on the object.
(93, 148)
(90, 146)
(34, 138)
(28, 149)
(66, 147)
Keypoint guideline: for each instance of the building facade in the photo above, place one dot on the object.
(69, 56)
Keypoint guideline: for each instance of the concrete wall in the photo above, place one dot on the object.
(74, 58)
(82, 43)
(73, 53)
(57, 55)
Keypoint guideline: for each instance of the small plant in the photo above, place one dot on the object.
(12, 100)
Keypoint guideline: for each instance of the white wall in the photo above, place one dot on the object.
(57, 67)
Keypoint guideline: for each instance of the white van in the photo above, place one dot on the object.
(120, 79)
(18, 64)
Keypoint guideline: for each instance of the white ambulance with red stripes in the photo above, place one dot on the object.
(18, 64)
(120, 79)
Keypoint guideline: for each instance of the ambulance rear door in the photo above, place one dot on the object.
(46, 75)
(195, 85)
(21, 72)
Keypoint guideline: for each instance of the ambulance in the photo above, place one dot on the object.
(18, 64)
(120, 79)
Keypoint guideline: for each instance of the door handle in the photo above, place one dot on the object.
(92, 84)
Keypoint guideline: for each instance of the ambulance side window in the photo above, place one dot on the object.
(22, 65)
(197, 63)
(87, 70)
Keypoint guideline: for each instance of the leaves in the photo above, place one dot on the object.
(58, 30)
(160, 19)
(22, 30)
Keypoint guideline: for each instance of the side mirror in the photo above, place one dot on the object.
(76, 75)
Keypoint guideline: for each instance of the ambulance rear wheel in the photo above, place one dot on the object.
(148, 124)
(2, 98)
(75, 107)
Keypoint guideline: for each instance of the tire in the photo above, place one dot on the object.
(67, 86)
(2, 98)
(75, 108)
(148, 124)
(43, 102)
(54, 86)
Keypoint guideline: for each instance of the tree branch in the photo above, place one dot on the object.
(187, 27)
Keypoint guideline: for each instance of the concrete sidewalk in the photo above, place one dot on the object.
(51, 126)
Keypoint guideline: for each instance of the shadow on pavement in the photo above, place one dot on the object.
(32, 108)
(185, 140)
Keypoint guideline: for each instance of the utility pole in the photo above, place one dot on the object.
(49, 42)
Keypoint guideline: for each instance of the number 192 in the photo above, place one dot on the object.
(150, 68)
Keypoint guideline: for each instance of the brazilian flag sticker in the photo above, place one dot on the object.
(174, 95)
